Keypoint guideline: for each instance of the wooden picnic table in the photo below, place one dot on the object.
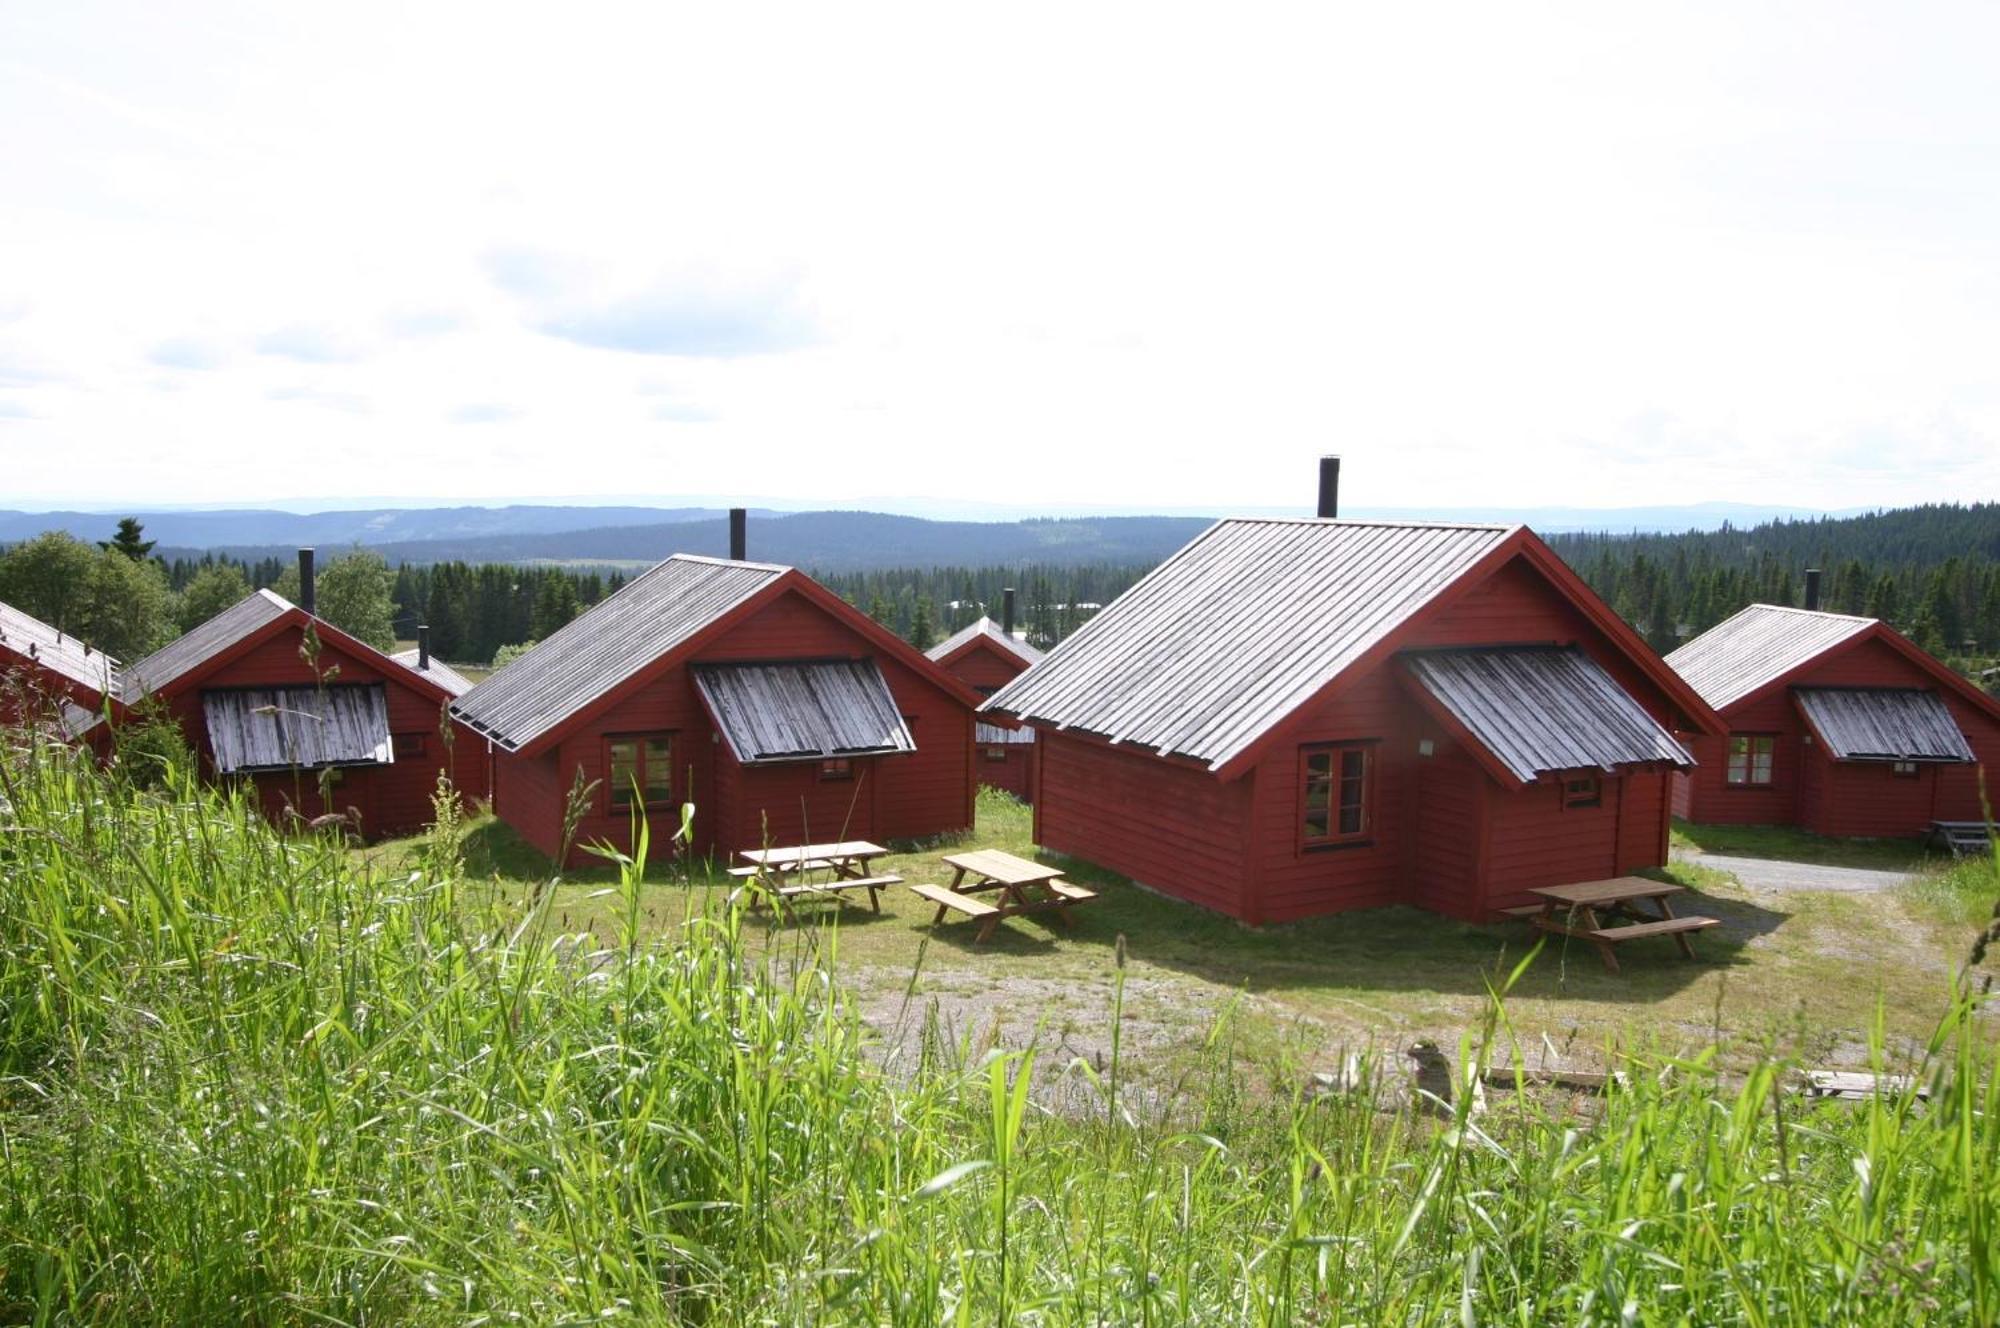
(847, 863)
(1608, 913)
(1025, 887)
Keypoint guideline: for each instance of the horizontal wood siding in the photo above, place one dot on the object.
(1868, 799)
(1011, 774)
(29, 689)
(1449, 834)
(983, 667)
(788, 804)
(1298, 882)
(1646, 803)
(1534, 840)
(1167, 827)
(528, 795)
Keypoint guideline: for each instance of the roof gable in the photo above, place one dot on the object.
(1248, 622)
(1767, 644)
(985, 634)
(657, 618)
(257, 617)
(1756, 646)
(30, 638)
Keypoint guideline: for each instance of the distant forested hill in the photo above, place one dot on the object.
(825, 541)
(1932, 571)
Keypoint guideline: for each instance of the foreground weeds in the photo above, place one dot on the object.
(242, 1081)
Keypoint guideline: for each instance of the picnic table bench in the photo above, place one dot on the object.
(1963, 837)
(847, 863)
(1023, 886)
(1606, 914)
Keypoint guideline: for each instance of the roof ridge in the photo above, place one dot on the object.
(722, 562)
(1369, 521)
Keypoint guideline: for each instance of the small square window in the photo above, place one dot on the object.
(1903, 769)
(407, 746)
(996, 753)
(836, 768)
(1583, 791)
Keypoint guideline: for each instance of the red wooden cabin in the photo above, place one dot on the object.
(258, 705)
(986, 658)
(784, 714)
(43, 670)
(1290, 718)
(1837, 724)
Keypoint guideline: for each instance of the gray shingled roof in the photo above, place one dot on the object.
(1227, 638)
(1756, 646)
(58, 652)
(803, 710)
(1883, 724)
(281, 728)
(607, 645)
(191, 651)
(1545, 709)
(439, 672)
(989, 629)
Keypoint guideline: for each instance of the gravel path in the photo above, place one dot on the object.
(1774, 874)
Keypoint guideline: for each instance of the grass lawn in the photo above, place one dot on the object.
(1807, 971)
(1792, 844)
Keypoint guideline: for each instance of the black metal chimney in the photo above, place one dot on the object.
(423, 647)
(307, 599)
(1329, 486)
(1812, 589)
(739, 540)
(1007, 612)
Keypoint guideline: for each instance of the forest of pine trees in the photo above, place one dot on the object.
(1932, 571)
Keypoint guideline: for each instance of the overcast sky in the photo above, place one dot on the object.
(1145, 255)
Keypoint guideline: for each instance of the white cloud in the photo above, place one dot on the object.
(1498, 254)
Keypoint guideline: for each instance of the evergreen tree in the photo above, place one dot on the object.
(555, 605)
(128, 540)
(923, 624)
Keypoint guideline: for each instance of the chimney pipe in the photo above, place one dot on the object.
(1812, 589)
(423, 647)
(307, 600)
(739, 541)
(1007, 613)
(1329, 486)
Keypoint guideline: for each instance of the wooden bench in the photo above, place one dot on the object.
(950, 901)
(1073, 894)
(1632, 931)
(1963, 837)
(774, 873)
(871, 884)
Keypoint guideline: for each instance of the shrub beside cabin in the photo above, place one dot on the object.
(986, 657)
(1836, 724)
(43, 670)
(783, 713)
(1297, 717)
(318, 722)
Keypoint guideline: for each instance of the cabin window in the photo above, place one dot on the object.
(1583, 791)
(640, 770)
(1335, 791)
(836, 768)
(407, 746)
(996, 753)
(1903, 769)
(1750, 760)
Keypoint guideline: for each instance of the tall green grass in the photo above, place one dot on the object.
(242, 1081)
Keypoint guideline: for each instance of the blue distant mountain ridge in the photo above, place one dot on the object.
(828, 540)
